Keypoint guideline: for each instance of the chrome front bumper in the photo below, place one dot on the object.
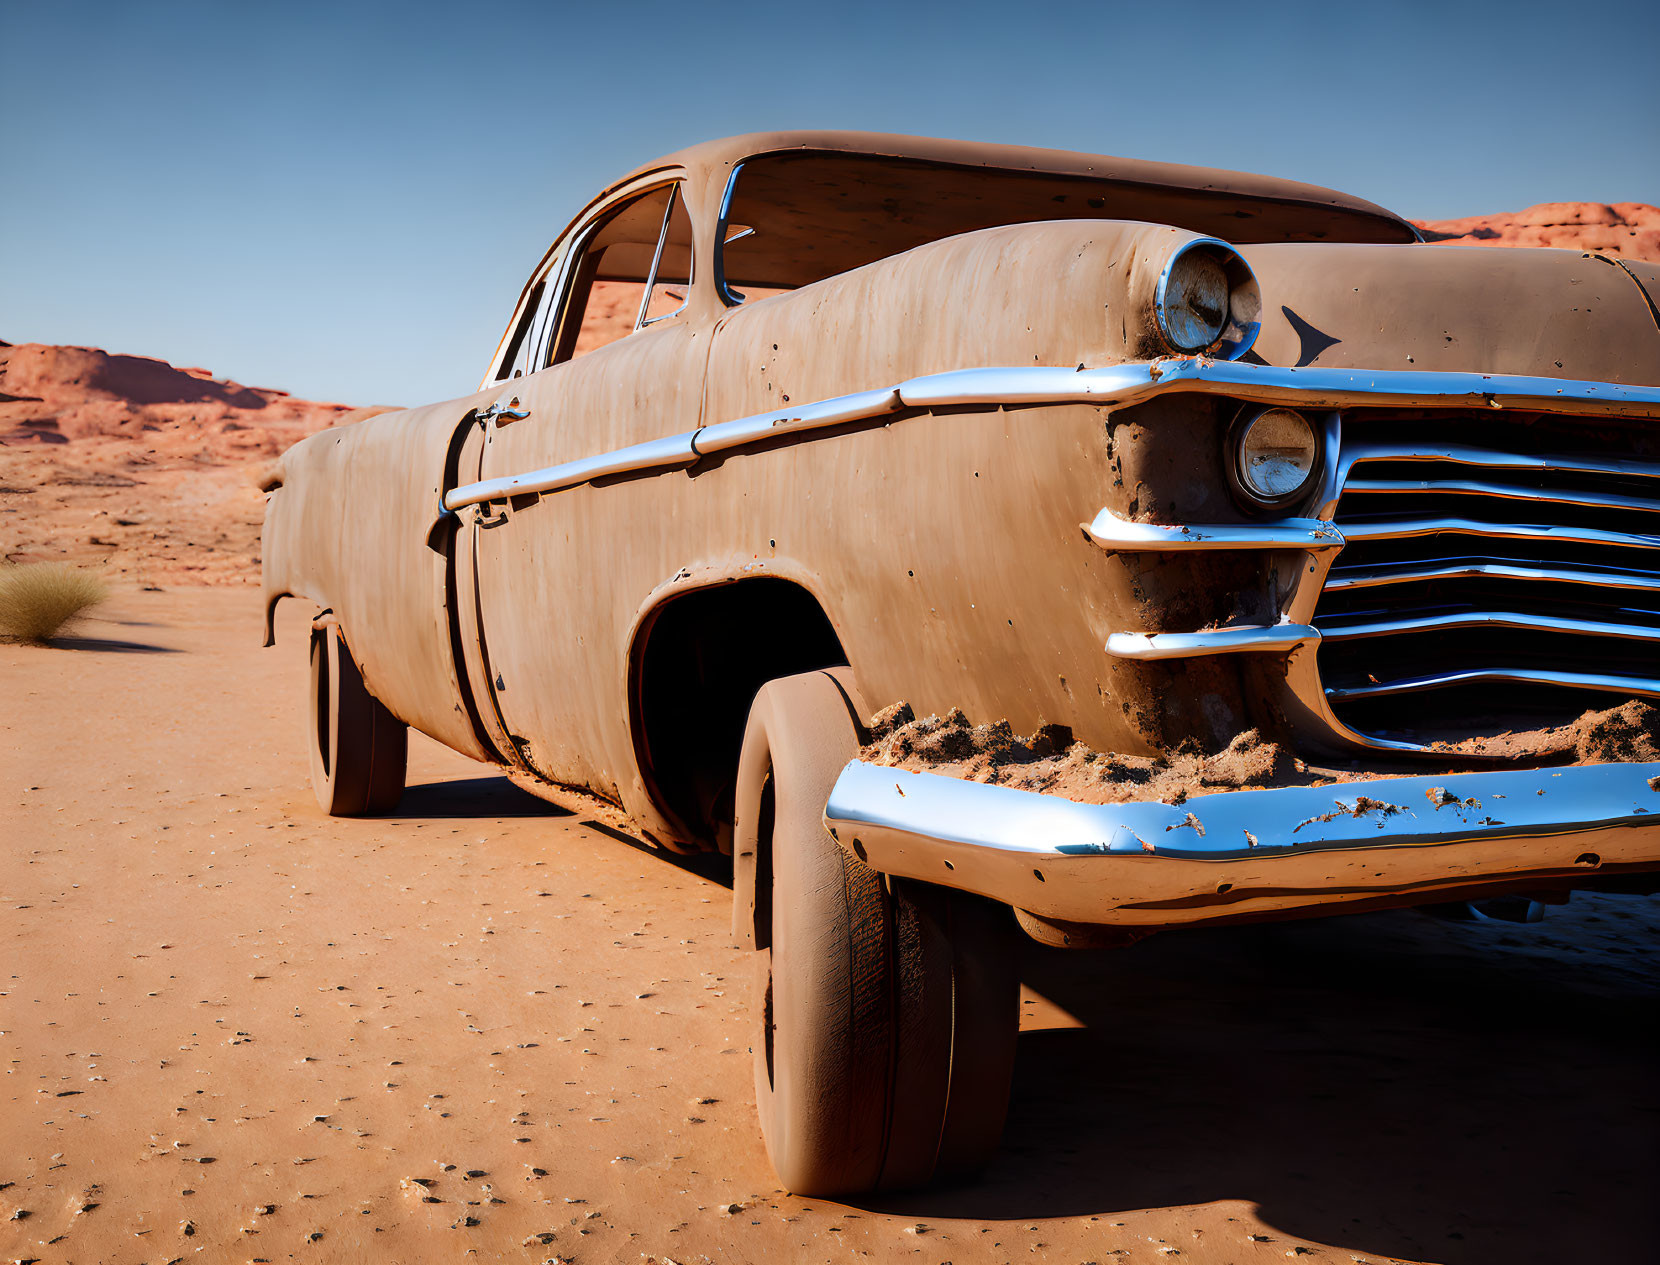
(1250, 853)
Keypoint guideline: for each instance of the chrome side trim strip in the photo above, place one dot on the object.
(1249, 851)
(1354, 629)
(1648, 687)
(656, 454)
(844, 408)
(1122, 385)
(1271, 384)
(1335, 388)
(1111, 532)
(1242, 639)
(1503, 491)
(1407, 528)
(1034, 384)
(1407, 573)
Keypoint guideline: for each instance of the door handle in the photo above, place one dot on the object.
(503, 413)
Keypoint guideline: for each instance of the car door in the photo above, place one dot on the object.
(613, 362)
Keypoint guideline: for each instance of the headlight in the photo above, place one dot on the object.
(1276, 452)
(1208, 300)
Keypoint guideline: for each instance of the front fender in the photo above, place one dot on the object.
(1471, 309)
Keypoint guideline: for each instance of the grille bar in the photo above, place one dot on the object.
(1409, 528)
(1498, 571)
(1352, 630)
(1507, 491)
(1641, 686)
(1343, 579)
(1496, 459)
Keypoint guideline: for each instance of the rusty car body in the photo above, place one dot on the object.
(787, 428)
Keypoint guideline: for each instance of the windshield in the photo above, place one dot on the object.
(797, 217)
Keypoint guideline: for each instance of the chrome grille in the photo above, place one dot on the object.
(1501, 571)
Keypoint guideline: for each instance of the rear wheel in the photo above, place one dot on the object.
(885, 1011)
(359, 750)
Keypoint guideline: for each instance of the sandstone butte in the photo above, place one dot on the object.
(1627, 230)
(149, 473)
(142, 470)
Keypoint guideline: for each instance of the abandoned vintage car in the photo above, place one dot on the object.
(1171, 469)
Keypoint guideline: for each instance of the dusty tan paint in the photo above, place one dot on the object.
(1647, 275)
(1554, 313)
(945, 549)
(558, 625)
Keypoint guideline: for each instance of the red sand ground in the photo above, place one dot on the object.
(550, 1027)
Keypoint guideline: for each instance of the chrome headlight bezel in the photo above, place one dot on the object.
(1246, 490)
(1237, 327)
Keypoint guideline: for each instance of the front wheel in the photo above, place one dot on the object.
(884, 1012)
(359, 750)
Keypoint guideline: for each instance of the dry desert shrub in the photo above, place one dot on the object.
(38, 599)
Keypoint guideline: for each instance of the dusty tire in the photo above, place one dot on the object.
(359, 750)
(883, 1015)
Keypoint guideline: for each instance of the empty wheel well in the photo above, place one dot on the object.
(698, 663)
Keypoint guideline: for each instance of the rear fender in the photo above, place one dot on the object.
(351, 528)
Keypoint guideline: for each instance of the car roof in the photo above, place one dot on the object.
(710, 157)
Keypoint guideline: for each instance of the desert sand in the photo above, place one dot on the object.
(481, 1029)
(236, 1030)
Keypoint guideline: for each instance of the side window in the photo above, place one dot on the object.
(633, 270)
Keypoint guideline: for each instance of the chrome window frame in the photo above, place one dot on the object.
(554, 268)
(501, 370)
(560, 275)
(578, 249)
(551, 292)
(727, 295)
(677, 197)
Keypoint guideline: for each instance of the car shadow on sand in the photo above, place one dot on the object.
(109, 645)
(1383, 1083)
(480, 797)
(500, 798)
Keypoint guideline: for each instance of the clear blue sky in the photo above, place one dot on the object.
(343, 199)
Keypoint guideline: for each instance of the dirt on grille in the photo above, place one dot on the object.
(1049, 761)
(1627, 733)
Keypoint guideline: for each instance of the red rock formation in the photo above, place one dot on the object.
(1629, 230)
(136, 466)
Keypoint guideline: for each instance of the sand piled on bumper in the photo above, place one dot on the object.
(1049, 761)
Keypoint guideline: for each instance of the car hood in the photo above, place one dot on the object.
(1547, 313)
